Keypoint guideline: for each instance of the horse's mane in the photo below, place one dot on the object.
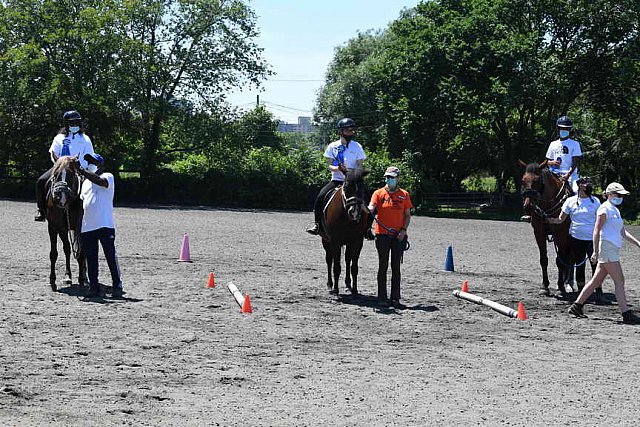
(354, 175)
(64, 162)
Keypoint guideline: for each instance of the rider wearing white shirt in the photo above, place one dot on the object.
(341, 155)
(564, 154)
(70, 141)
(98, 224)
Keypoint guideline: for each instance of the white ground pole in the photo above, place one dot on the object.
(502, 309)
(236, 293)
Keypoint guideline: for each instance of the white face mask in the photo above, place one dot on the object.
(92, 168)
(74, 129)
(564, 133)
(617, 200)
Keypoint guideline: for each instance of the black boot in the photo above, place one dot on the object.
(630, 318)
(40, 216)
(576, 310)
(94, 291)
(314, 229)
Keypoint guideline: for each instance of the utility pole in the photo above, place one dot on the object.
(257, 100)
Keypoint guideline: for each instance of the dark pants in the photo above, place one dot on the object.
(318, 205)
(384, 245)
(41, 183)
(581, 249)
(106, 237)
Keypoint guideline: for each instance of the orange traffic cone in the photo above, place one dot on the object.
(185, 254)
(246, 305)
(211, 283)
(465, 286)
(522, 313)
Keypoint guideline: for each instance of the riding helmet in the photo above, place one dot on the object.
(564, 122)
(70, 116)
(345, 123)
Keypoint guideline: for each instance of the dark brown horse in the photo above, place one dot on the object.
(64, 218)
(543, 194)
(345, 223)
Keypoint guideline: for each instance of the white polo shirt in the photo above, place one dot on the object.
(347, 154)
(583, 216)
(97, 202)
(564, 151)
(79, 145)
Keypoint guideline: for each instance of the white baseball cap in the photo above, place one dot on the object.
(617, 188)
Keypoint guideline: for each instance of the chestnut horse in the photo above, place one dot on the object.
(345, 222)
(64, 218)
(543, 194)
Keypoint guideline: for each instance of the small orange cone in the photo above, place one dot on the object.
(522, 313)
(246, 305)
(465, 286)
(211, 283)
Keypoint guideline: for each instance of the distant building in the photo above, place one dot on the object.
(304, 125)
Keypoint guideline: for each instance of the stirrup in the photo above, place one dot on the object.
(525, 218)
(40, 216)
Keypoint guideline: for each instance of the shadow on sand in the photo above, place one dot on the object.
(373, 302)
(81, 292)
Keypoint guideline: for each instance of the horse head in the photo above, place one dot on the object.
(353, 193)
(65, 181)
(532, 184)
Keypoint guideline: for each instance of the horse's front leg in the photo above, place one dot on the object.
(354, 255)
(328, 257)
(347, 267)
(541, 240)
(66, 247)
(53, 257)
(83, 280)
(336, 269)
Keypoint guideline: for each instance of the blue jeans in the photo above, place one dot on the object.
(106, 237)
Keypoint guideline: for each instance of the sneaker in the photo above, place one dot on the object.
(576, 310)
(314, 229)
(369, 235)
(630, 318)
(94, 291)
(525, 218)
(117, 292)
(397, 304)
(40, 217)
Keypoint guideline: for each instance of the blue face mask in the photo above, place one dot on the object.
(391, 182)
(617, 200)
(74, 129)
(564, 134)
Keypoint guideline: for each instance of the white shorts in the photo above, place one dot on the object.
(608, 252)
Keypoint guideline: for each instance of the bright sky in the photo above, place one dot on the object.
(299, 38)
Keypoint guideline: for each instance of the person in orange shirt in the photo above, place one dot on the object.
(392, 206)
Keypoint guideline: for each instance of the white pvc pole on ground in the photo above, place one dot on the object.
(236, 293)
(502, 309)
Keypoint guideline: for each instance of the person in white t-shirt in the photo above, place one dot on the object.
(564, 154)
(582, 209)
(608, 235)
(341, 155)
(70, 141)
(98, 224)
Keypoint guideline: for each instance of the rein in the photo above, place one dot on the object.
(562, 194)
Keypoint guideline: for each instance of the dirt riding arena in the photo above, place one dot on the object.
(177, 353)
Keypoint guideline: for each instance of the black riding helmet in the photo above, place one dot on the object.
(564, 122)
(72, 117)
(345, 123)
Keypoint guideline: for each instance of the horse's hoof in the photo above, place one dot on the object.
(67, 282)
(333, 291)
(54, 288)
(544, 292)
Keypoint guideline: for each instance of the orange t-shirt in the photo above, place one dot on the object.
(390, 209)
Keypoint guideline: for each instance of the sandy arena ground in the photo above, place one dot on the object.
(174, 353)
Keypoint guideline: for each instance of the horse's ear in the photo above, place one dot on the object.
(522, 164)
(544, 164)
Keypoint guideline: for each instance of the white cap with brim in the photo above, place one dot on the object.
(617, 188)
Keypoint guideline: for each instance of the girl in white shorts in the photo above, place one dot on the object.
(608, 235)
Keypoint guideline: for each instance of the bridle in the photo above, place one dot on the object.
(535, 196)
(62, 197)
(353, 202)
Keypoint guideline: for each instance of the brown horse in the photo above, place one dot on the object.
(345, 223)
(64, 218)
(543, 194)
